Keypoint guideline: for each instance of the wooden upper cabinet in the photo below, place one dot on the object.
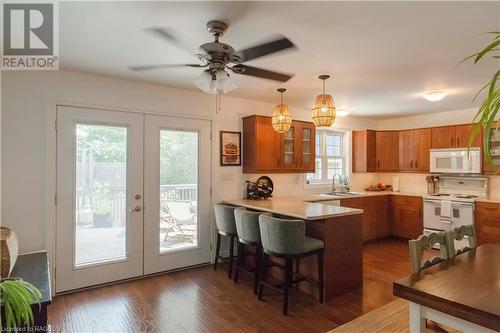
(443, 137)
(387, 150)
(407, 149)
(264, 150)
(422, 149)
(364, 148)
(306, 145)
(453, 137)
(462, 134)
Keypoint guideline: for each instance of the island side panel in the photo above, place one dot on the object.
(343, 257)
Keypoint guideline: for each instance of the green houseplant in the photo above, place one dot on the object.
(488, 111)
(16, 298)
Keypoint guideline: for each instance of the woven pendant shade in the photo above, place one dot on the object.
(323, 111)
(281, 118)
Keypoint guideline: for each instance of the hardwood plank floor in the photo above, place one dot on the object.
(204, 300)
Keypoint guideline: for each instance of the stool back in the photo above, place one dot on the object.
(427, 241)
(247, 225)
(459, 234)
(224, 218)
(280, 236)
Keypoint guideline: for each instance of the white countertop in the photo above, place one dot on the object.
(296, 207)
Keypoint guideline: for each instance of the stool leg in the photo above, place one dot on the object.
(239, 262)
(217, 251)
(262, 275)
(231, 254)
(288, 280)
(258, 258)
(320, 275)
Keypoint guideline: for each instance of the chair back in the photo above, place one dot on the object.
(224, 218)
(247, 225)
(459, 234)
(427, 241)
(280, 236)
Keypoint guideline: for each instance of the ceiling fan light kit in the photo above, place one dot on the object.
(281, 118)
(434, 95)
(323, 111)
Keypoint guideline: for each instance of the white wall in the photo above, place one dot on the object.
(26, 97)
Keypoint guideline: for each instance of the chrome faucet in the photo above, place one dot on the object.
(342, 182)
(334, 190)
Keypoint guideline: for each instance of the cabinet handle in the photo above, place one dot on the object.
(452, 142)
(458, 141)
(416, 163)
(378, 164)
(411, 164)
(490, 208)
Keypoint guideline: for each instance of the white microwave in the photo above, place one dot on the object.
(456, 160)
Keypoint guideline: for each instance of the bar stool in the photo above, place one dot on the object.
(287, 239)
(226, 226)
(247, 227)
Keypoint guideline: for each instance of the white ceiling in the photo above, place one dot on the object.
(382, 55)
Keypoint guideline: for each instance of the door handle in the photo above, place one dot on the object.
(135, 209)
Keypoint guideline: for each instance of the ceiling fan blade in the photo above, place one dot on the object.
(148, 67)
(262, 50)
(168, 36)
(262, 73)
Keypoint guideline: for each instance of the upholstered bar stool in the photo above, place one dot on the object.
(226, 226)
(287, 239)
(247, 227)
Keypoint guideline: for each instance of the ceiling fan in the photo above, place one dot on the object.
(218, 58)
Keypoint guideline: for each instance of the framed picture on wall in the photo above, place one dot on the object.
(230, 148)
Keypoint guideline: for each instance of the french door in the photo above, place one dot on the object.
(115, 221)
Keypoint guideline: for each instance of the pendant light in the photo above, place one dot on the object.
(323, 112)
(282, 118)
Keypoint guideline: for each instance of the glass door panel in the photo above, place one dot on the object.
(101, 219)
(178, 190)
(306, 145)
(289, 147)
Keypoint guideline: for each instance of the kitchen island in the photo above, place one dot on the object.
(340, 228)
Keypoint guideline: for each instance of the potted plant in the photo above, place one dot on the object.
(16, 298)
(487, 114)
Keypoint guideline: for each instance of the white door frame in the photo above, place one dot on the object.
(102, 272)
(51, 168)
(154, 260)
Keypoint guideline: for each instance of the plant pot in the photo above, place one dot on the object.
(102, 220)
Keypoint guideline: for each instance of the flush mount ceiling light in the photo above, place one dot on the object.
(281, 118)
(323, 112)
(342, 112)
(434, 95)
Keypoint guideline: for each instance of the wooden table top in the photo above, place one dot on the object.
(467, 287)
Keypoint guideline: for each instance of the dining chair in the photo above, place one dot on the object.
(418, 245)
(286, 239)
(226, 226)
(247, 227)
(459, 234)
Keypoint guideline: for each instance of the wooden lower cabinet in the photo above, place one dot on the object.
(376, 215)
(407, 221)
(487, 222)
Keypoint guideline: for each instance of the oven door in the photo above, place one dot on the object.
(459, 160)
(463, 214)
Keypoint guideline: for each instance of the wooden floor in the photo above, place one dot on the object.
(204, 300)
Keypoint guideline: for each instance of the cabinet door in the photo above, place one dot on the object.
(407, 219)
(288, 149)
(387, 150)
(407, 150)
(443, 137)
(306, 138)
(422, 148)
(267, 145)
(382, 224)
(364, 150)
(462, 134)
(487, 223)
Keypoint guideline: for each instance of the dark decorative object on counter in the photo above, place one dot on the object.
(261, 189)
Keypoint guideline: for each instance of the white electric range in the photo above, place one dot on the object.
(461, 192)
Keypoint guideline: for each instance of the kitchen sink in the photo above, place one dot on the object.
(342, 194)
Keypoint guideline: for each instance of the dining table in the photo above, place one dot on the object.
(462, 292)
